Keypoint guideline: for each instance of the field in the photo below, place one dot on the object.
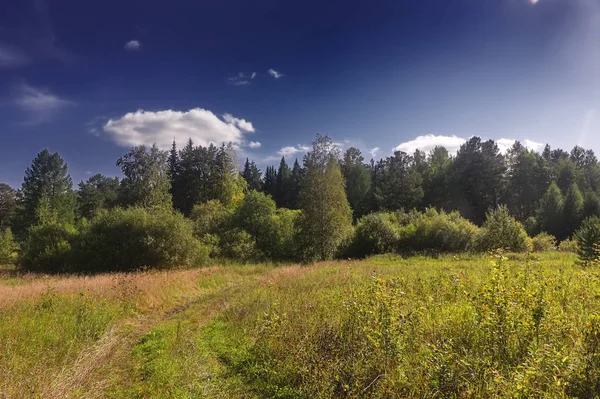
(450, 327)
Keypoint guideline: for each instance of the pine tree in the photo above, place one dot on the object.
(477, 179)
(146, 181)
(357, 177)
(527, 182)
(550, 213)
(47, 192)
(97, 193)
(436, 179)
(326, 215)
(399, 183)
(252, 176)
(572, 210)
(8, 204)
(282, 184)
(295, 185)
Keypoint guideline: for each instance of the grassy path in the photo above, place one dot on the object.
(117, 336)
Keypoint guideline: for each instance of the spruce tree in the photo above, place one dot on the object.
(252, 176)
(282, 184)
(295, 185)
(550, 213)
(270, 181)
(326, 215)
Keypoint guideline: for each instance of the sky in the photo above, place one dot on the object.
(91, 79)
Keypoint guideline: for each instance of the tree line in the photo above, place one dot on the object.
(327, 205)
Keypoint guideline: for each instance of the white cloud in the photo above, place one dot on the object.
(12, 58)
(254, 144)
(374, 151)
(534, 1)
(40, 104)
(133, 45)
(241, 78)
(162, 127)
(288, 151)
(505, 144)
(275, 74)
(429, 142)
(240, 123)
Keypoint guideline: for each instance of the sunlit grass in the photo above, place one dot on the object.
(456, 326)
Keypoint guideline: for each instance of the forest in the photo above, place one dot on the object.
(195, 206)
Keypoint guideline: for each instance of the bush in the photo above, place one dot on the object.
(238, 244)
(48, 248)
(588, 240)
(438, 232)
(501, 231)
(376, 233)
(543, 242)
(273, 229)
(211, 217)
(128, 239)
(8, 248)
(531, 226)
(568, 246)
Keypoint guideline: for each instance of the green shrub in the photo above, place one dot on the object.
(438, 232)
(239, 245)
(588, 240)
(531, 226)
(543, 242)
(127, 239)
(8, 248)
(211, 217)
(273, 229)
(569, 245)
(501, 231)
(48, 248)
(376, 233)
(285, 239)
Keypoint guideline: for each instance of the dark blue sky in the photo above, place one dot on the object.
(76, 75)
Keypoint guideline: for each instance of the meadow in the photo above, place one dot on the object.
(466, 326)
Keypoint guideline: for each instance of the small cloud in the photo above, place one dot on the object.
(12, 58)
(40, 104)
(88, 172)
(428, 142)
(254, 144)
(534, 1)
(162, 127)
(240, 123)
(275, 74)
(241, 79)
(290, 150)
(133, 45)
(373, 151)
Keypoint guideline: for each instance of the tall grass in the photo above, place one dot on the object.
(467, 326)
(449, 327)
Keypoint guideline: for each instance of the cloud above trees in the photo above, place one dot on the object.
(162, 127)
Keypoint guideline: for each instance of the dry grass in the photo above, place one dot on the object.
(152, 290)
